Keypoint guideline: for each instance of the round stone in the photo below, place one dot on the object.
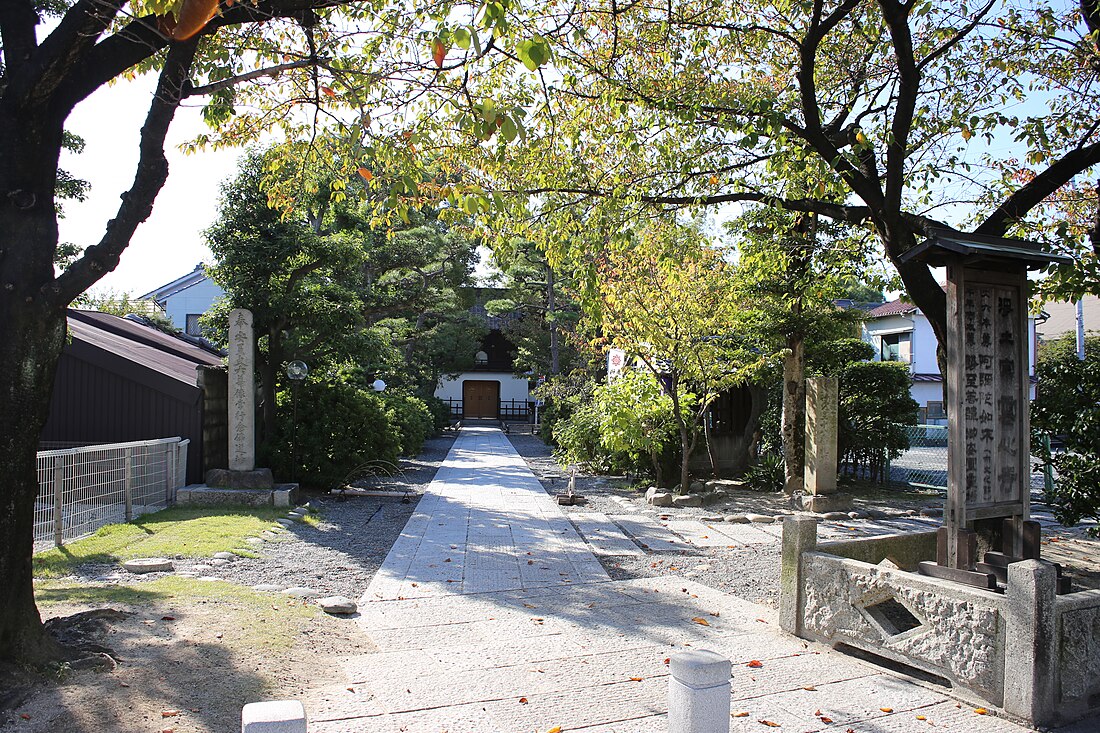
(149, 565)
(835, 516)
(225, 556)
(267, 588)
(737, 519)
(285, 522)
(760, 518)
(929, 511)
(337, 605)
(218, 562)
(254, 540)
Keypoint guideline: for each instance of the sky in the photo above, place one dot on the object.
(170, 243)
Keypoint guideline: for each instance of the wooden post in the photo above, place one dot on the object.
(58, 484)
(128, 483)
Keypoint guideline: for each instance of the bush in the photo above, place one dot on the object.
(767, 474)
(875, 406)
(1066, 407)
(340, 427)
(441, 413)
(411, 419)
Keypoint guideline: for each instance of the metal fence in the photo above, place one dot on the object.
(924, 464)
(83, 489)
(508, 409)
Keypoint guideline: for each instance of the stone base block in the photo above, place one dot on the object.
(827, 502)
(224, 478)
(274, 716)
(202, 495)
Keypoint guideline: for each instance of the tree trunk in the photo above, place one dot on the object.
(269, 374)
(794, 414)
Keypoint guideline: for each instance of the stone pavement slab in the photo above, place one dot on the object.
(530, 633)
(603, 536)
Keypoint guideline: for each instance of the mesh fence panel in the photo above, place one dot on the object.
(83, 489)
(924, 464)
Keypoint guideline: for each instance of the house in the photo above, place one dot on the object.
(185, 299)
(120, 380)
(490, 389)
(1060, 317)
(898, 331)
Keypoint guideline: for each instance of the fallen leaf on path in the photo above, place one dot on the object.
(740, 714)
(24, 716)
(668, 660)
(636, 679)
(921, 717)
(523, 701)
(755, 664)
(769, 723)
(887, 710)
(530, 562)
(528, 605)
(810, 688)
(701, 621)
(169, 713)
(415, 585)
(555, 729)
(981, 711)
(825, 719)
(167, 618)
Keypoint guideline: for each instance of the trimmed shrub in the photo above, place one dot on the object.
(411, 420)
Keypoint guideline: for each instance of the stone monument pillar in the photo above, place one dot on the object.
(242, 472)
(242, 392)
(822, 398)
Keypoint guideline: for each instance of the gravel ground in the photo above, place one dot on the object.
(750, 573)
(337, 557)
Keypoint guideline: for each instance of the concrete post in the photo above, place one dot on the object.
(273, 716)
(822, 400)
(128, 482)
(799, 535)
(699, 693)
(1030, 642)
(59, 500)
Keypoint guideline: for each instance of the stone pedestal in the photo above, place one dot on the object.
(822, 395)
(699, 693)
(257, 478)
(821, 503)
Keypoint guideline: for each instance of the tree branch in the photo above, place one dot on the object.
(17, 22)
(152, 172)
(241, 78)
(1024, 199)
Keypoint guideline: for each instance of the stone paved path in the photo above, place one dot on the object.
(530, 634)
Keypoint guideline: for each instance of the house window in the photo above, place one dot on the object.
(895, 347)
(192, 327)
(935, 411)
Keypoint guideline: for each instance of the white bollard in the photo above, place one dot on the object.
(273, 716)
(699, 693)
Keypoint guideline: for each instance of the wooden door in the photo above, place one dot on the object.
(481, 398)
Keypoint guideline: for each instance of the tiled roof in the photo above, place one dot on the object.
(893, 308)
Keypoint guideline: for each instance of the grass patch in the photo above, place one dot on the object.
(176, 532)
(247, 618)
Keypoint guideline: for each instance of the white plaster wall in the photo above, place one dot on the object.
(924, 347)
(872, 330)
(923, 392)
(196, 299)
(511, 387)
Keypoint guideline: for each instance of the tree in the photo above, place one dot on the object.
(790, 271)
(197, 49)
(904, 107)
(670, 302)
(1065, 409)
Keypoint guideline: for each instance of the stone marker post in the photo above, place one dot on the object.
(699, 693)
(274, 716)
(242, 392)
(822, 397)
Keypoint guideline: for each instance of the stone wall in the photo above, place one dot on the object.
(959, 633)
(1078, 650)
(1032, 653)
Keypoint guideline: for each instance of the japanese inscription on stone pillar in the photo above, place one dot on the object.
(242, 393)
(988, 390)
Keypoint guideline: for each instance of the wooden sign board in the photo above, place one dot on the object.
(988, 384)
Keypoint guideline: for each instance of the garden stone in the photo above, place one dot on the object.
(857, 515)
(835, 516)
(711, 519)
(267, 588)
(760, 518)
(931, 512)
(224, 556)
(877, 514)
(658, 498)
(254, 540)
(300, 511)
(687, 500)
(285, 522)
(148, 565)
(737, 519)
(301, 592)
(337, 605)
(696, 487)
(218, 562)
